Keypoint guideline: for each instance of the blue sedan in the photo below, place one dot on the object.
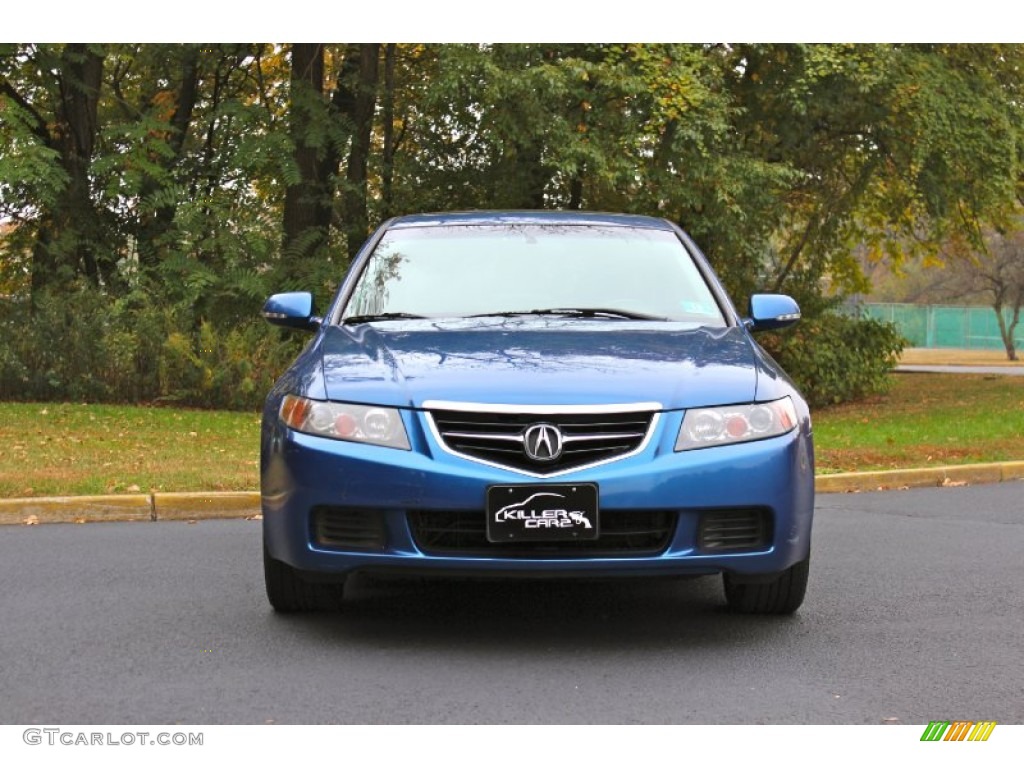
(538, 394)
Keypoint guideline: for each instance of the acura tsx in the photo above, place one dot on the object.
(541, 394)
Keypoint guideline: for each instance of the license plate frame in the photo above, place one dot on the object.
(543, 512)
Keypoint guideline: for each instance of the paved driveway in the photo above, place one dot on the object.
(915, 612)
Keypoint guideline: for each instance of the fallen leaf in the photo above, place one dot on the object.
(254, 517)
(947, 483)
(32, 520)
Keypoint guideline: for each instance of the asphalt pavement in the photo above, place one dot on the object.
(914, 613)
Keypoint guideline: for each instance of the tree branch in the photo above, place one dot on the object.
(39, 126)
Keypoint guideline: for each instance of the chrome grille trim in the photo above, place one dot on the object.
(565, 438)
(511, 443)
(453, 405)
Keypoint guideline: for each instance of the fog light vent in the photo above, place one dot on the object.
(348, 528)
(732, 529)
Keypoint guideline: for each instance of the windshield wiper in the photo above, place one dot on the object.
(355, 319)
(575, 312)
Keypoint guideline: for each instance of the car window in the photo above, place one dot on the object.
(457, 271)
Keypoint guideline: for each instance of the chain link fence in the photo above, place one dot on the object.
(949, 327)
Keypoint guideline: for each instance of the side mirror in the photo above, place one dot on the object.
(291, 310)
(771, 311)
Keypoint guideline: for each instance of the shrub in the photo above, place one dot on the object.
(834, 358)
(82, 347)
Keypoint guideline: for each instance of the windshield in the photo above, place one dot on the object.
(467, 270)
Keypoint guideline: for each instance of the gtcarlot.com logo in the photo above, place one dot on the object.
(958, 730)
(59, 736)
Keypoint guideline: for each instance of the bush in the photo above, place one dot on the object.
(834, 358)
(83, 347)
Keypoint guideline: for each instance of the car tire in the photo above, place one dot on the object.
(289, 592)
(781, 594)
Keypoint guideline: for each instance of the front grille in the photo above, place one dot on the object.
(498, 437)
(623, 533)
(732, 529)
(348, 528)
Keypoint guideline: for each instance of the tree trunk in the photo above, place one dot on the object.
(307, 204)
(576, 191)
(153, 228)
(361, 100)
(387, 174)
(70, 238)
(1007, 331)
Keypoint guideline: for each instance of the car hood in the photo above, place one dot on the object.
(549, 361)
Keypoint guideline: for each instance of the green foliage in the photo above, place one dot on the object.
(835, 358)
(27, 166)
(78, 347)
(164, 237)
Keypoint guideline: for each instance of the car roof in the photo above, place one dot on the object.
(578, 218)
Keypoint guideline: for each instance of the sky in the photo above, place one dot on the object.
(519, 21)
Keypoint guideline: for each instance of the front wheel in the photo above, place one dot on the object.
(289, 592)
(780, 594)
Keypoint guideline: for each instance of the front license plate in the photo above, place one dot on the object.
(542, 512)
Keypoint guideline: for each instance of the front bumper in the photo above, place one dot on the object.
(301, 472)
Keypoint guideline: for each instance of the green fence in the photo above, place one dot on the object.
(952, 327)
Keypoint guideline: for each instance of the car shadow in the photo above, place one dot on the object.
(556, 615)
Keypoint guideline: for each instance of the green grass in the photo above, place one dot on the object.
(64, 449)
(925, 420)
(57, 449)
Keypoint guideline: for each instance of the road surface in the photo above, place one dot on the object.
(915, 612)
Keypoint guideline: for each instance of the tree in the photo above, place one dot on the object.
(197, 178)
(57, 111)
(309, 193)
(356, 99)
(995, 273)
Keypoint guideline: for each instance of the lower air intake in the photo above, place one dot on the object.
(624, 533)
(348, 528)
(734, 529)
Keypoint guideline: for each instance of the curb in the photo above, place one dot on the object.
(898, 479)
(76, 509)
(195, 506)
(246, 504)
(130, 508)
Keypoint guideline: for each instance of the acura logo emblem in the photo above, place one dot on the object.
(542, 442)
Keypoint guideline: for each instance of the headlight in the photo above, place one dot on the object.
(345, 421)
(705, 427)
